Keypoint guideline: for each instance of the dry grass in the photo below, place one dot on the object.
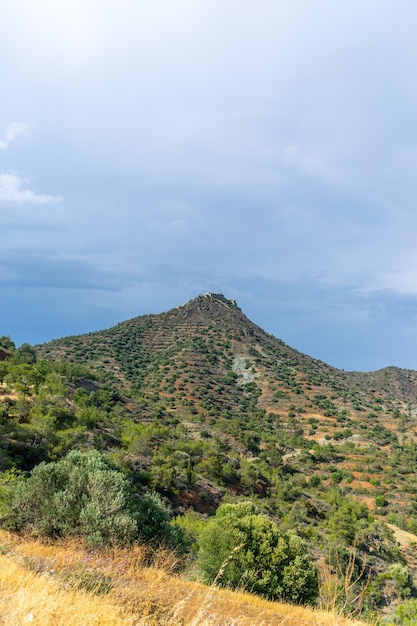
(68, 584)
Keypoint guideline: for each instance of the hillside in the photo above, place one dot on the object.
(203, 406)
(206, 366)
(212, 332)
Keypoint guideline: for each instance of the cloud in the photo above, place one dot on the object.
(11, 191)
(213, 146)
(12, 186)
(12, 132)
(50, 270)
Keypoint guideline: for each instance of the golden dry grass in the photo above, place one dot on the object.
(68, 584)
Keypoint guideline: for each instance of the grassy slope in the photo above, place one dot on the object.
(47, 584)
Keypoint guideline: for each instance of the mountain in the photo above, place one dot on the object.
(207, 367)
(211, 338)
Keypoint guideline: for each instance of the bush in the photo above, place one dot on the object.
(154, 523)
(82, 494)
(242, 548)
(85, 495)
(380, 501)
(406, 613)
(401, 575)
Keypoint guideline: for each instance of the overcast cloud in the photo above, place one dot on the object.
(152, 151)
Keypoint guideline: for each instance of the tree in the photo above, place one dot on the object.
(51, 410)
(344, 521)
(7, 343)
(23, 377)
(25, 354)
(241, 548)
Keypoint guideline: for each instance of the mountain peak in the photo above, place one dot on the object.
(208, 308)
(214, 298)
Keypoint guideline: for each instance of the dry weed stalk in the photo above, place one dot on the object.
(348, 597)
(212, 589)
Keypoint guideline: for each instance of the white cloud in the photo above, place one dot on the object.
(12, 132)
(11, 190)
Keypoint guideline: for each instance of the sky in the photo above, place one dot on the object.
(154, 150)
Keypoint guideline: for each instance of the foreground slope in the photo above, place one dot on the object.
(67, 584)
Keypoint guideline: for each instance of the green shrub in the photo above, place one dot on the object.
(406, 614)
(241, 548)
(85, 495)
(380, 501)
(154, 523)
(401, 575)
(9, 482)
(82, 494)
(314, 481)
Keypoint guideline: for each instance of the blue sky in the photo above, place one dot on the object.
(154, 150)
